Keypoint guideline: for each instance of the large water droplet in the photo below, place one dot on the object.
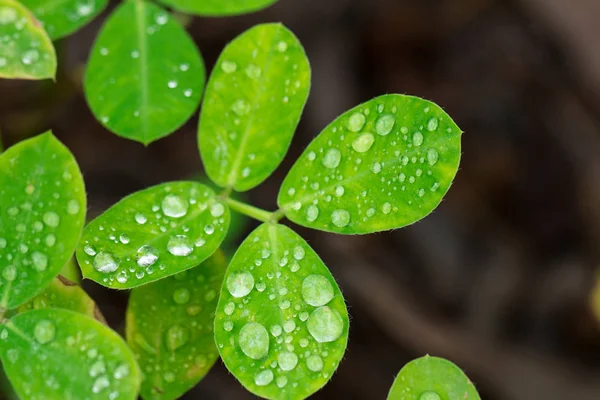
(385, 124)
(432, 124)
(51, 219)
(263, 378)
(287, 360)
(332, 158)
(9, 273)
(217, 209)
(176, 337)
(121, 371)
(340, 218)
(44, 331)
(180, 246)
(72, 207)
(363, 143)
(417, 139)
(174, 206)
(432, 156)
(317, 290)
(100, 384)
(314, 363)
(40, 261)
(140, 218)
(254, 340)
(312, 212)
(146, 256)
(356, 122)
(430, 396)
(106, 262)
(325, 324)
(240, 284)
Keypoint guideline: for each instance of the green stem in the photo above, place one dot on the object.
(254, 212)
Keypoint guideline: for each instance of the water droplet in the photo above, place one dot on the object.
(312, 212)
(181, 296)
(51, 219)
(432, 156)
(240, 284)
(44, 331)
(287, 360)
(281, 381)
(229, 308)
(172, 84)
(317, 290)
(174, 206)
(363, 143)
(430, 396)
(97, 368)
(339, 191)
(9, 273)
(89, 250)
(209, 229)
(263, 378)
(176, 337)
(332, 158)
(253, 71)
(254, 340)
(180, 246)
(299, 253)
(241, 107)
(106, 262)
(30, 56)
(340, 218)
(385, 124)
(356, 122)
(140, 218)
(432, 124)
(40, 261)
(2, 243)
(421, 192)
(100, 384)
(228, 66)
(72, 207)
(169, 377)
(162, 19)
(188, 92)
(417, 139)
(146, 256)
(121, 371)
(282, 46)
(228, 326)
(376, 167)
(386, 208)
(217, 209)
(325, 324)
(314, 363)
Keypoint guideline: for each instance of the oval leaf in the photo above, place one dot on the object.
(281, 325)
(218, 8)
(64, 294)
(152, 234)
(145, 75)
(432, 378)
(61, 18)
(42, 214)
(173, 339)
(28, 54)
(382, 165)
(244, 133)
(59, 354)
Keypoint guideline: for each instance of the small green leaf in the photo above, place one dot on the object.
(42, 214)
(145, 75)
(244, 133)
(65, 294)
(28, 53)
(59, 354)
(432, 378)
(382, 165)
(217, 8)
(281, 325)
(152, 234)
(61, 18)
(170, 328)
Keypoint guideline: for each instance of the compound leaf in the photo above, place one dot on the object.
(54, 354)
(218, 8)
(61, 18)
(432, 378)
(152, 234)
(245, 132)
(145, 75)
(27, 51)
(281, 325)
(382, 165)
(41, 218)
(170, 329)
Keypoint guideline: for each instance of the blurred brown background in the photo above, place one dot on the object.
(499, 278)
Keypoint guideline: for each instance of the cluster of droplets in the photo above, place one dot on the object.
(396, 159)
(308, 324)
(164, 218)
(35, 222)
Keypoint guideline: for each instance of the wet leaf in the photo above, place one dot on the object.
(29, 53)
(138, 83)
(170, 328)
(152, 234)
(217, 8)
(42, 214)
(432, 378)
(64, 294)
(382, 165)
(244, 133)
(61, 18)
(58, 354)
(281, 325)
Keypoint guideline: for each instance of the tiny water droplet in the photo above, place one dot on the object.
(9, 273)
(140, 218)
(44, 331)
(228, 66)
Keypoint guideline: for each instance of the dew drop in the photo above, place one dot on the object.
(432, 124)
(386, 208)
(44, 331)
(124, 238)
(314, 363)
(180, 246)
(417, 139)
(40, 261)
(312, 212)
(363, 143)
(240, 284)
(317, 290)
(146, 256)
(2, 243)
(140, 218)
(299, 253)
(263, 378)
(340, 218)
(241, 107)
(432, 156)
(100, 384)
(174, 206)
(254, 340)
(89, 250)
(176, 337)
(229, 308)
(106, 262)
(253, 71)
(281, 381)
(228, 66)
(217, 209)
(121, 371)
(172, 84)
(430, 396)
(287, 360)
(325, 324)
(385, 124)
(51, 219)
(332, 158)
(356, 122)
(181, 296)
(9, 273)
(282, 46)
(72, 207)
(30, 56)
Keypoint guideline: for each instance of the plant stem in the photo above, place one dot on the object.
(254, 212)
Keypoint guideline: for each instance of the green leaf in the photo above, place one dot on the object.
(58, 354)
(281, 325)
(27, 52)
(63, 17)
(170, 328)
(42, 214)
(64, 294)
(382, 165)
(152, 234)
(217, 8)
(145, 75)
(432, 378)
(253, 102)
